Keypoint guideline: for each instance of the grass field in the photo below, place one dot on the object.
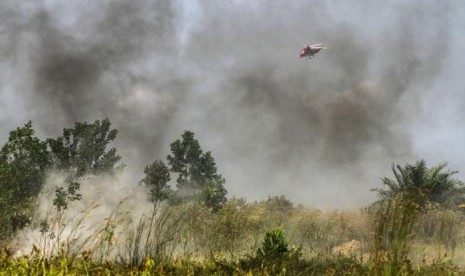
(270, 237)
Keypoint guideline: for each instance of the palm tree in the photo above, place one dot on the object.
(423, 184)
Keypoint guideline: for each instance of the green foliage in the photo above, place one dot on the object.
(274, 245)
(24, 160)
(197, 172)
(274, 255)
(63, 197)
(213, 193)
(186, 158)
(23, 164)
(327, 265)
(83, 149)
(424, 185)
(157, 176)
(60, 201)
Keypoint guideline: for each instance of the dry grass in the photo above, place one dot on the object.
(192, 238)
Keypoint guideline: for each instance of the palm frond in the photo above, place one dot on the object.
(424, 184)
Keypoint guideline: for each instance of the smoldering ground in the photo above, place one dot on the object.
(321, 132)
(108, 211)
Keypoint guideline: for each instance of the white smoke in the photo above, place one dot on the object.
(108, 207)
(387, 89)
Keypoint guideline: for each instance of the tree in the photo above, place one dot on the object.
(23, 164)
(197, 172)
(157, 176)
(83, 149)
(24, 161)
(424, 185)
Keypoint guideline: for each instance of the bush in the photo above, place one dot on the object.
(274, 246)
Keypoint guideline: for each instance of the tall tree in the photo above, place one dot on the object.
(197, 172)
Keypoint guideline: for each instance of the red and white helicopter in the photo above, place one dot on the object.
(310, 50)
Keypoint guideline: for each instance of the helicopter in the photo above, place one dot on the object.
(310, 50)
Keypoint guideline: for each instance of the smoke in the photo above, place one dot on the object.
(321, 132)
(108, 207)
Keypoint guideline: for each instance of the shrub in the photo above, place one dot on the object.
(274, 246)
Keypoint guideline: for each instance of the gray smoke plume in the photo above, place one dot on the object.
(321, 132)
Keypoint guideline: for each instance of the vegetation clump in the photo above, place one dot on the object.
(189, 226)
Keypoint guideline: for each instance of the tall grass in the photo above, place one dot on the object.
(155, 237)
(394, 222)
(190, 239)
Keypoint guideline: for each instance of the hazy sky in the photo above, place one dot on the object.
(388, 90)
